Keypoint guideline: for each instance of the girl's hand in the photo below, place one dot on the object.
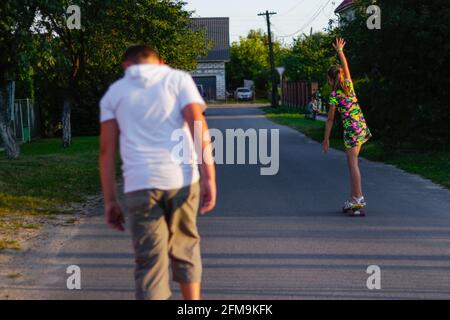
(325, 145)
(339, 44)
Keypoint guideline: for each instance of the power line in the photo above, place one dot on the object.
(276, 29)
(292, 9)
(315, 15)
(311, 20)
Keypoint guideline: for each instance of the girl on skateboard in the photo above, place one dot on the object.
(356, 133)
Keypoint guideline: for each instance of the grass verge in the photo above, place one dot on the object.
(243, 102)
(432, 165)
(46, 177)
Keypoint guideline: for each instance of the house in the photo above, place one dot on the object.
(346, 11)
(210, 72)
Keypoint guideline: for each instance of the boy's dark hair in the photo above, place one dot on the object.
(138, 53)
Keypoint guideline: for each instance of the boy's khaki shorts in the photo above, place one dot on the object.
(164, 227)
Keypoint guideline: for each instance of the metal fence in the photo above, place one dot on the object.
(25, 120)
(297, 94)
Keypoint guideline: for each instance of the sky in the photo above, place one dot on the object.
(293, 17)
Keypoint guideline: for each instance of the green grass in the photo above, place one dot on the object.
(231, 102)
(9, 244)
(431, 165)
(46, 177)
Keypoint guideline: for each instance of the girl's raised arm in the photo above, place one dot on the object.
(339, 47)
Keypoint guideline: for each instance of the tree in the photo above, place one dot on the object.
(84, 61)
(309, 58)
(401, 70)
(16, 17)
(250, 60)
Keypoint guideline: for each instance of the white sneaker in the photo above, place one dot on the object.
(355, 203)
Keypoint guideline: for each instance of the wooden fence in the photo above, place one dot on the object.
(297, 94)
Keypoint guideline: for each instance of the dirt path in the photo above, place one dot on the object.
(33, 265)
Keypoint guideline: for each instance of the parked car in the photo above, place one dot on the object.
(243, 94)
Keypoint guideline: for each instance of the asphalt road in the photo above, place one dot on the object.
(282, 236)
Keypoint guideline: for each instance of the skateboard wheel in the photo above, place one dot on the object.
(354, 213)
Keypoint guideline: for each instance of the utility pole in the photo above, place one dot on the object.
(281, 72)
(271, 58)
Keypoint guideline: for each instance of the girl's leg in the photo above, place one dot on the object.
(355, 175)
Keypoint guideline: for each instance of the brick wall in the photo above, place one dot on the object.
(217, 69)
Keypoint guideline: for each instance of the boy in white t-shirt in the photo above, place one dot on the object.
(143, 110)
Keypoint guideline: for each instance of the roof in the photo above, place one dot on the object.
(345, 5)
(218, 32)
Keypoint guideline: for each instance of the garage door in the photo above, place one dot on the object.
(209, 85)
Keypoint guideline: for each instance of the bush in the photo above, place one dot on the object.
(402, 82)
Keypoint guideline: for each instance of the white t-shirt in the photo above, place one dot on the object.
(147, 104)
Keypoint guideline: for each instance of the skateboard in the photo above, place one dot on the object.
(354, 212)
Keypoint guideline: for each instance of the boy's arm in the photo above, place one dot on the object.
(193, 115)
(339, 46)
(108, 150)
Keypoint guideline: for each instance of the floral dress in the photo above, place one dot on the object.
(356, 131)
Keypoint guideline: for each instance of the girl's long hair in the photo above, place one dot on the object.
(337, 77)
